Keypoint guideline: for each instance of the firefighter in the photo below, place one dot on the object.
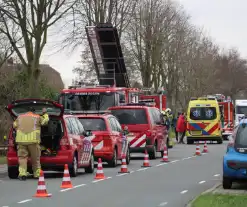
(28, 126)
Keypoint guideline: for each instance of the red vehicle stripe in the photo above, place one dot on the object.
(141, 143)
(134, 140)
(213, 128)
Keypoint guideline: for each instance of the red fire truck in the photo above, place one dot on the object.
(114, 86)
(227, 112)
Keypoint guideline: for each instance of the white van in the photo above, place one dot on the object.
(240, 110)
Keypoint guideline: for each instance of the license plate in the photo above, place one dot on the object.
(196, 132)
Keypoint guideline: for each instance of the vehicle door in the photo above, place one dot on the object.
(159, 129)
(120, 140)
(76, 137)
(114, 134)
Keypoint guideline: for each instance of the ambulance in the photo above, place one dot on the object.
(203, 120)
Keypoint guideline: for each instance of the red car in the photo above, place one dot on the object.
(64, 136)
(146, 128)
(107, 137)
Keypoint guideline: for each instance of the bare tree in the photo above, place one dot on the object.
(33, 19)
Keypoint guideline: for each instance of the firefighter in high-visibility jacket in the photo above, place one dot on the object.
(28, 127)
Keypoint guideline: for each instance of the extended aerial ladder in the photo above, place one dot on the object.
(107, 55)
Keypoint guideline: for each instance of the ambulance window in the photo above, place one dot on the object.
(203, 113)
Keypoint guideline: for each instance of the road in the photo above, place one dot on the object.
(171, 184)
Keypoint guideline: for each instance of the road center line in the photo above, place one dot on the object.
(76, 186)
(25, 201)
(161, 164)
(186, 158)
(141, 169)
(174, 161)
(96, 181)
(216, 175)
(163, 204)
(184, 191)
(201, 182)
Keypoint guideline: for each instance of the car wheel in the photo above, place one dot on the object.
(90, 168)
(227, 183)
(153, 154)
(128, 157)
(73, 170)
(13, 172)
(113, 162)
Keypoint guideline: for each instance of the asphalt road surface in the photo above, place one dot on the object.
(171, 184)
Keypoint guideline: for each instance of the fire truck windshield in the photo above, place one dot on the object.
(87, 101)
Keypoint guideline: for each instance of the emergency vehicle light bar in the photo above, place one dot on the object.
(193, 98)
(136, 104)
(92, 86)
(87, 112)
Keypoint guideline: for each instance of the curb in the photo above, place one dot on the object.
(205, 192)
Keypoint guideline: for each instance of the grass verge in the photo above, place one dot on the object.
(219, 200)
(3, 160)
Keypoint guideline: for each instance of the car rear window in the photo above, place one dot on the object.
(203, 113)
(130, 116)
(93, 124)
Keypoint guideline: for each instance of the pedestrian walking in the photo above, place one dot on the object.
(181, 127)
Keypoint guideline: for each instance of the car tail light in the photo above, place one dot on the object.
(149, 133)
(232, 164)
(64, 143)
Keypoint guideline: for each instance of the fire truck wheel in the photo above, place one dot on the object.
(225, 137)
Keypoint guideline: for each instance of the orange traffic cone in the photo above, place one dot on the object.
(165, 156)
(41, 190)
(124, 168)
(66, 178)
(146, 160)
(99, 174)
(205, 148)
(198, 153)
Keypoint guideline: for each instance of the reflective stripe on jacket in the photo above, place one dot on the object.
(28, 127)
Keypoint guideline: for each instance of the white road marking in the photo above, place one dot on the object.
(184, 191)
(201, 182)
(161, 164)
(25, 201)
(141, 169)
(186, 158)
(122, 174)
(5, 206)
(216, 175)
(96, 181)
(174, 161)
(66, 189)
(76, 186)
(163, 204)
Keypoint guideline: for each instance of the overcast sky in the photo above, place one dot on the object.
(224, 20)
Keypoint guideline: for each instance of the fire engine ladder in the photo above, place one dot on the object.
(107, 55)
